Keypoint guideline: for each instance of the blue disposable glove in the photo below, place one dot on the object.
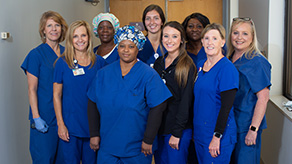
(41, 125)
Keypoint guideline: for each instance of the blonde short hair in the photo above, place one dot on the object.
(57, 18)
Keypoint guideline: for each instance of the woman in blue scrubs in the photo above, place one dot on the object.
(74, 72)
(253, 94)
(214, 90)
(126, 103)
(104, 27)
(178, 71)
(38, 66)
(194, 24)
(153, 19)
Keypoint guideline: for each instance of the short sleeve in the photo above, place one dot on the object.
(156, 91)
(91, 93)
(229, 78)
(32, 63)
(259, 75)
(58, 71)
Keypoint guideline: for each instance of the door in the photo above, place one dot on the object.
(131, 10)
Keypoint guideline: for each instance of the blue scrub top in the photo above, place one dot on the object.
(114, 56)
(147, 54)
(221, 77)
(39, 62)
(124, 104)
(202, 55)
(74, 94)
(254, 75)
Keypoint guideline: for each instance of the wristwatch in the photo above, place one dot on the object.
(253, 128)
(217, 134)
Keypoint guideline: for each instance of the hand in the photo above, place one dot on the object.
(41, 125)
(214, 147)
(250, 138)
(146, 148)
(63, 133)
(94, 143)
(173, 142)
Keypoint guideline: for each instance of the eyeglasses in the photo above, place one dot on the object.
(244, 19)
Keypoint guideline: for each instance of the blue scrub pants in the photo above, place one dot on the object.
(43, 146)
(204, 156)
(167, 155)
(243, 154)
(106, 158)
(74, 151)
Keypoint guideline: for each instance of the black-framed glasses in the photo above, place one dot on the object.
(244, 19)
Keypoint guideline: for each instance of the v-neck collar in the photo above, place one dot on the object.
(132, 71)
(215, 65)
(173, 64)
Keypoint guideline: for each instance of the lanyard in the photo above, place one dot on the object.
(75, 61)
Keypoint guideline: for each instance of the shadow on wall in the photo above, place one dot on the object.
(272, 136)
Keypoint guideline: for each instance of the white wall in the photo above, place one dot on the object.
(276, 139)
(21, 18)
(233, 10)
(276, 44)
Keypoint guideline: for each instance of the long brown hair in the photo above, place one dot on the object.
(151, 8)
(69, 52)
(184, 62)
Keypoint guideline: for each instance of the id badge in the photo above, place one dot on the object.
(78, 71)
